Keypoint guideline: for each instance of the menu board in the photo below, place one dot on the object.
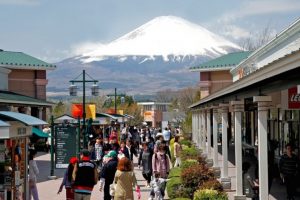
(65, 145)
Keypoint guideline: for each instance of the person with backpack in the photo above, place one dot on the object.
(161, 164)
(67, 180)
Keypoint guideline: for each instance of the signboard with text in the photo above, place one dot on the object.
(65, 145)
(294, 98)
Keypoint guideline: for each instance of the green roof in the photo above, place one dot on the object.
(39, 133)
(21, 60)
(224, 62)
(9, 98)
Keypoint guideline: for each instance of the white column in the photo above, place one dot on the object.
(199, 129)
(208, 133)
(252, 128)
(224, 172)
(215, 137)
(40, 116)
(263, 144)
(203, 133)
(238, 107)
(193, 126)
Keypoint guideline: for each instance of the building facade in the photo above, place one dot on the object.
(261, 107)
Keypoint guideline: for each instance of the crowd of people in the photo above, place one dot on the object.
(109, 159)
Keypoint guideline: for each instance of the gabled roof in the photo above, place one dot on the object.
(8, 97)
(19, 60)
(225, 62)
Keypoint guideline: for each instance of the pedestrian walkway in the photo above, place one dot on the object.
(48, 188)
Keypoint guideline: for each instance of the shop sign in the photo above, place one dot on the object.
(148, 116)
(294, 98)
(65, 145)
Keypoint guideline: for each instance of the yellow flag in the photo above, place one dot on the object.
(91, 111)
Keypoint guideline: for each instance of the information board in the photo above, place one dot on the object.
(65, 145)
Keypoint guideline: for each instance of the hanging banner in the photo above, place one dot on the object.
(294, 98)
(90, 110)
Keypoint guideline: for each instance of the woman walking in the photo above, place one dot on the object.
(33, 172)
(177, 151)
(125, 180)
(161, 165)
(145, 159)
(67, 180)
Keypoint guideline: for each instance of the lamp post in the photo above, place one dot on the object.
(73, 92)
(115, 97)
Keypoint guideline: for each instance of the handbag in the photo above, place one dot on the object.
(112, 189)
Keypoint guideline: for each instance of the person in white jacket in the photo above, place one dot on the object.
(33, 172)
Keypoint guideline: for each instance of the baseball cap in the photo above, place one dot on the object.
(112, 154)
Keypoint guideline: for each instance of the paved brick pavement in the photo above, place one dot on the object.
(48, 188)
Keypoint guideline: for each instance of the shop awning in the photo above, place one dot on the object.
(105, 115)
(39, 133)
(4, 124)
(23, 118)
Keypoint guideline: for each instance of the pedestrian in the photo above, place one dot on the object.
(250, 189)
(166, 147)
(99, 152)
(131, 150)
(145, 160)
(108, 173)
(106, 146)
(177, 151)
(161, 164)
(167, 135)
(85, 176)
(159, 139)
(124, 180)
(157, 188)
(288, 168)
(113, 140)
(33, 172)
(67, 180)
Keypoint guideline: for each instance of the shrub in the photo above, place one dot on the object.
(184, 192)
(175, 172)
(212, 184)
(194, 176)
(182, 198)
(172, 186)
(208, 194)
(186, 143)
(190, 153)
(188, 163)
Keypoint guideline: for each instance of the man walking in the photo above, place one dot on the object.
(288, 167)
(85, 176)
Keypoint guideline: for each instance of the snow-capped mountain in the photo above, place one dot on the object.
(152, 57)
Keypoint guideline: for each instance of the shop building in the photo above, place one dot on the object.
(261, 105)
(153, 112)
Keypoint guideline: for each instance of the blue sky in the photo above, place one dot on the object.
(53, 29)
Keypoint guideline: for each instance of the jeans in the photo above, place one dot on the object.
(33, 192)
(147, 176)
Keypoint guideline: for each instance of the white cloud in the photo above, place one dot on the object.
(235, 32)
(85, 47)
(261, 7)
(20, 2)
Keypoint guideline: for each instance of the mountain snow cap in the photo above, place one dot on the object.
(163, 36)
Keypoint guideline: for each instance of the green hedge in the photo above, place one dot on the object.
(208, 194)
(188, 163)
(186, 143)
(172, 186)
(175, 172)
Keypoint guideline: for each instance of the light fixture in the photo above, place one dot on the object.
(95, 89)
(73, 90)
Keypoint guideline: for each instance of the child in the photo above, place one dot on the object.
(157, 190)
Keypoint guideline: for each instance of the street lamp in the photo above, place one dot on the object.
(73, 92)
(115, 96)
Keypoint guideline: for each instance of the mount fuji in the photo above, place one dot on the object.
(153, 57)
